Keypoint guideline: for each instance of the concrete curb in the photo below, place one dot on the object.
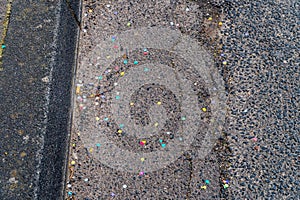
(36, 83)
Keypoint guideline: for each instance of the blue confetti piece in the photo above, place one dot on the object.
(121, 125)
(98, 145)
(135, 62)
(163, 145)
(118, 97)
(100, 77)
(125, 61)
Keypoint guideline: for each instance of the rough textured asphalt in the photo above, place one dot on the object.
(261, 45)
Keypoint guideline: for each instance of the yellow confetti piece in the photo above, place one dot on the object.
(210, 18)
(90, 10)
(120, 131)
(204, 109)
(78, 133)
(23, 154)
(78, 90)
(73, 162)
(144, 141)
(91, 150)
(131, 103)
(203, 187)
(142, 159)
(158, 103)
(73, 145)
(224, 63)
(128, 24)
(220, 23)
(97, 118)
(156, 124)
(122, 73)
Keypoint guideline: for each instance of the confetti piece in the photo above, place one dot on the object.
(203, 187)
(70, 193)
(156, 124)
(124, 186)
(160, 140)
(98, 145)
(224, 63)
(144, 141)
(254, 139)
(135, 62)
(91, 150)
(122, 73)
(158, 103)
(78, 90)
(146, 69)
(220, 23)
(207, 182)
(97, 118)
(121, 125)
(204, 109)
(163, 145)
(142, 159)
(210, 18)
(106, 119)
(3, 46)
(131, 103)
(225, 186)
(183, 118)
(120, 131)
(125, 62)
(128, 24)
(141, 173)
(73, 162)
(118, 97)
(90, 10)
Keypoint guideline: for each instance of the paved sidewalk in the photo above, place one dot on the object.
(167, 99)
